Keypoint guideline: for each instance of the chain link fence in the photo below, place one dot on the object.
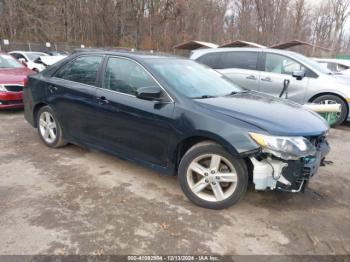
(60, 47)
(38, 47)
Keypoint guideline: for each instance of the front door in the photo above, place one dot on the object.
(139, 129)
(278, 68)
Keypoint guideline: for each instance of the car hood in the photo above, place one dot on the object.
(14, 75)
(275, 116)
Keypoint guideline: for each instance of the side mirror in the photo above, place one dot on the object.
(299, 74)
(22, 61)
(149, 93)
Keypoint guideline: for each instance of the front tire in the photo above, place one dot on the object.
(49, 128)
(211, 177)
(333, 99)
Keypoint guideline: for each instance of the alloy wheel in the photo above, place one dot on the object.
(212, 177)
(48, 127)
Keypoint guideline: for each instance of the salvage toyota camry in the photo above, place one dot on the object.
(180, 118)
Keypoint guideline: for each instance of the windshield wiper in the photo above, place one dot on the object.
(236, 92)
(204, 96)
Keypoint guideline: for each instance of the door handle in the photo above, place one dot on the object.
(52, 88)
(102, 100)
(251, 77)
(266, 79)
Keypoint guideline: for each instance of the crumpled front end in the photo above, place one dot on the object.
(271, 172)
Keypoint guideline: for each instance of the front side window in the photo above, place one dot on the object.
(125, 76)
(82, 70)
(241, 60)
(32, 56)
(280, 64)
(18, 56)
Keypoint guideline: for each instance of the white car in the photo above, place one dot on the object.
(265, 70)
(346, 72)
(30, 59)
(50, 60)
(335, 65)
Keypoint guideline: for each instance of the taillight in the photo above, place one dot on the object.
(25, 81)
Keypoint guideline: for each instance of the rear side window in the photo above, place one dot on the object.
(82, 70)
(241, 60)
(18, 56)
(212, 60)
(332, 67)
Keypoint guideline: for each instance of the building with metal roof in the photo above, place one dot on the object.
(242, 43)
(194, 44)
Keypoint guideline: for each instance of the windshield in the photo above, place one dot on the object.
(313, 64)
(32, 56)
(193, 80)
(7, 61)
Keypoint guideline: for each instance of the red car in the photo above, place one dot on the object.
(13, 76)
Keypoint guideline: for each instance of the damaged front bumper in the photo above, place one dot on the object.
(271, 172)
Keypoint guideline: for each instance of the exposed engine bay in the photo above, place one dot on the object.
(272, 172)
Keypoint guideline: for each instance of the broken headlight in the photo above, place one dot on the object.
(288, 148)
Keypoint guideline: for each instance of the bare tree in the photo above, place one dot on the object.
(160, 24)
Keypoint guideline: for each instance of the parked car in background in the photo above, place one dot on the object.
(50, 60)
(13, 76)
(266, 69)
(30, 59)
(346, 72)
(180, 118)
(56, 53)
(335, 65)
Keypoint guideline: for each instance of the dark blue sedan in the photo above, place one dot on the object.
(180, 118)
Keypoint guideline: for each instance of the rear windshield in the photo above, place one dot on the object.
(7, 61)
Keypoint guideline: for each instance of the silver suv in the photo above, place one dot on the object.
(265, 70)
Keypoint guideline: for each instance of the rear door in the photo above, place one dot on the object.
(139, 129)
(71, 91)
(278, 68)
(241, 67)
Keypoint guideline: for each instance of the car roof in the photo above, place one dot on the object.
(24, 52)
(137, 55)
(334, 60)
(199, 52)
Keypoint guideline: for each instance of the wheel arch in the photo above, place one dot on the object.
(330, 93)
(36, 110)
(187, 142)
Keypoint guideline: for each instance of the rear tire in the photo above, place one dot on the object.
(211, 177)
(49, 128)
(326, 99)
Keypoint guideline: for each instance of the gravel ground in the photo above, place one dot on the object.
(77, 201)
